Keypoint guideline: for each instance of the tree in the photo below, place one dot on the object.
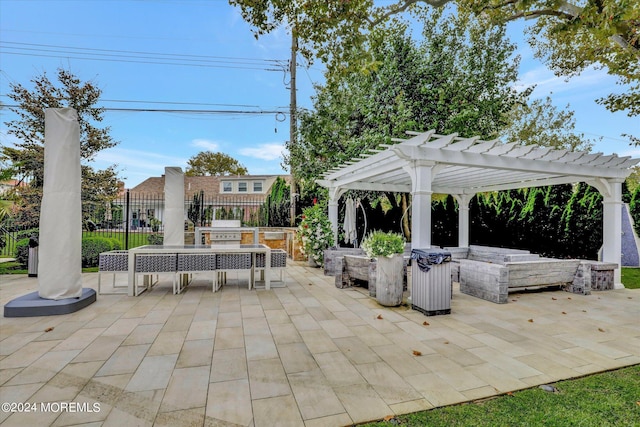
(540, 123)
(568, 37)
(456, 80)
(29, 128)
(214, 164)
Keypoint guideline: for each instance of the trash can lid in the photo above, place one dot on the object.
(425, 252)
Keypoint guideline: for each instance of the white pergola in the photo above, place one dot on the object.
(428, 163)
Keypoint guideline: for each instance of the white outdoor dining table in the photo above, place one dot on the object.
(253, 249)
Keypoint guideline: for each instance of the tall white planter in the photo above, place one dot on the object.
(389, 275)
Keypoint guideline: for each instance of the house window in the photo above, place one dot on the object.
(227, 187)
(242, 187)
(257, 187)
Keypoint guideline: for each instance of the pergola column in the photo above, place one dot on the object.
(611, 190)
(421, 173)
(463, 218)
(334, 196)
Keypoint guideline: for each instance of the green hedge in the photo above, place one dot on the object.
(93, 246)
(91, 249)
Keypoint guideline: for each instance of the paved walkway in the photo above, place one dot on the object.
(307, 354)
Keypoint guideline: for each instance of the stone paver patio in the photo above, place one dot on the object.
(306, 354)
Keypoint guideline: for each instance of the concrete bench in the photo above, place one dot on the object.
(350, 268)
(494, 281)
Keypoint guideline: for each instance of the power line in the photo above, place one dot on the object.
(181, 111)
(140, 57)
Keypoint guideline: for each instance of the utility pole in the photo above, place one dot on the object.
(293, 120)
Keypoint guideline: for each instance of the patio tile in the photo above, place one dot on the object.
(313, 394)
(7, 374)
(285, 333)
(281, 408)
(500, 379)
(410, 406)
(139, 408)
(296, 358)
(260, 347)
(28, 354)
(317, 341)
(183, 418)
(79, 340)
(100, 349)
(122, 327)
(61, 331)
(336, 329)
(387, 383)
(255, 326)
(306, 353)
(230, 402)
(195, 353)
(14, 342)
(337, 369)
(229, 338)
(17, 393)
(45, 368)
(178, 323)
(502, 361)
(404, 363)
(267, 379)
(187, 389)
(168, 343)
(28, 419)
(330, 421)
(73, 418)
(202, 330)
(355, 350)
(435, 389)
(362, 403)
(277, 317)
(227, 365)
(153, 373)
(143, 334)
(124, 360)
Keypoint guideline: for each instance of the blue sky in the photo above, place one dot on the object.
(211, 61)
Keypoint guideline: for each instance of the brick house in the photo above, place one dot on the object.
(221, 197)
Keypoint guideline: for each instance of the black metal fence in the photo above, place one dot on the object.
(137, 219)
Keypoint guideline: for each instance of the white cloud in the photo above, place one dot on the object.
(138, 160)
(589, 81)
(267, 152)
(205, 144)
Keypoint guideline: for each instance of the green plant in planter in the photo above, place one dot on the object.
(314, 232)
(155, 224)
(382, 244)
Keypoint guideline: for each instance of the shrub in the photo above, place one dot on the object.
(378, 243)
(155, 239)
(314, 232)
(92, 247)
(22, 251)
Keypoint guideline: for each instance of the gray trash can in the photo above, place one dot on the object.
(431, 281)
(32, 260)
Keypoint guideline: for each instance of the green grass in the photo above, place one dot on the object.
(631, 277)
(601, 400)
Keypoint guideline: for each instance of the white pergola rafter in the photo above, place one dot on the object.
(429, 163)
